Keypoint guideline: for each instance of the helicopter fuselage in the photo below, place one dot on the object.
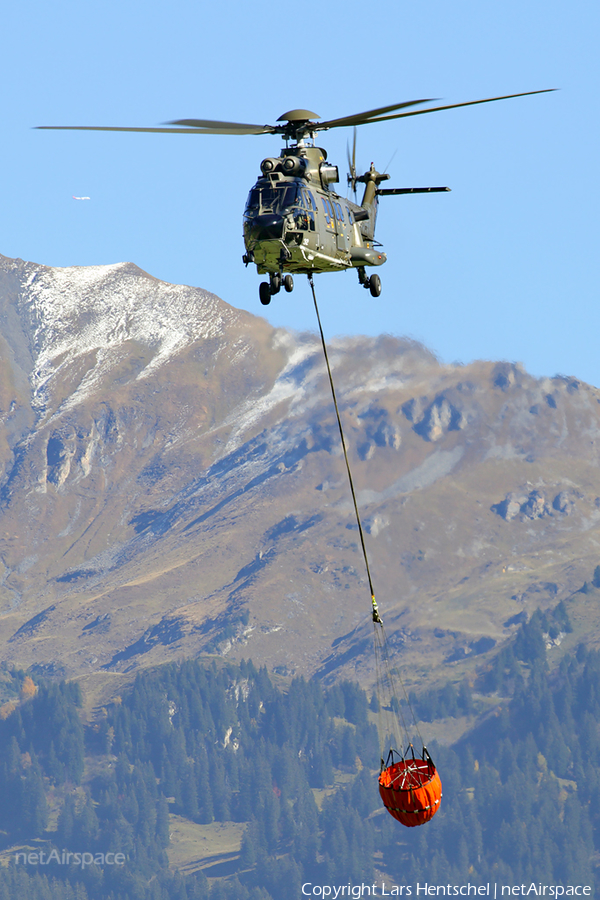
(295, 222)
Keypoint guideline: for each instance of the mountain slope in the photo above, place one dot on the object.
(172, 483)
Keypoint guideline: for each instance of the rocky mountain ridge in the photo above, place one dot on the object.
(171, 483)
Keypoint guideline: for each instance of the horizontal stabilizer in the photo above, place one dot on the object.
(387, 191)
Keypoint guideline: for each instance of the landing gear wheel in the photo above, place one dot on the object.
(375, 285)
(275, 285)
(264, 292)
(288, 283)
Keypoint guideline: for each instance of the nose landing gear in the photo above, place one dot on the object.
(273, 286)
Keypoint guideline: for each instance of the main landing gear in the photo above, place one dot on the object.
(276, 281)
(373, 283)
(273, 286)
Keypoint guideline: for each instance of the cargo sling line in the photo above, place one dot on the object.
(388, 676)
(376, 616)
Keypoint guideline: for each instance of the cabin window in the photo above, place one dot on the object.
(330, 215)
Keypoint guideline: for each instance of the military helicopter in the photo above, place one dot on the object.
(294, 222)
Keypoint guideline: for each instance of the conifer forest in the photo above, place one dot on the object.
(295, 765)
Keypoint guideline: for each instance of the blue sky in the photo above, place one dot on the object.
(504, 267)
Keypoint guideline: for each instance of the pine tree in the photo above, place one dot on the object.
(34, 808)
(66, 822)
(190, 794)
(162, 822)
(250, 845)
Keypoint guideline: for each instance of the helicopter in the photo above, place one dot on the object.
(294, 221)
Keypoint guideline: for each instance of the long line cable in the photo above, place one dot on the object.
(348, 470)
(381, 644)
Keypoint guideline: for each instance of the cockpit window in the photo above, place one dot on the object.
(253, 201)
(272, 199)
(309, 200)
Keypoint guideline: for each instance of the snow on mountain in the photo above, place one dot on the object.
(72, 311)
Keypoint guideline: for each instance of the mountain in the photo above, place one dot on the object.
(172, 483)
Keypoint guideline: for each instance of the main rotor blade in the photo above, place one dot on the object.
(364, 117)
(254, 129)
(420, 112)
(235, 127)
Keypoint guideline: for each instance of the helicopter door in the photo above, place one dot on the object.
(342, 227)
(310, 204)
(329, 232)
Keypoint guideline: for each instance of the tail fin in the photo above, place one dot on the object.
(371, 179)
